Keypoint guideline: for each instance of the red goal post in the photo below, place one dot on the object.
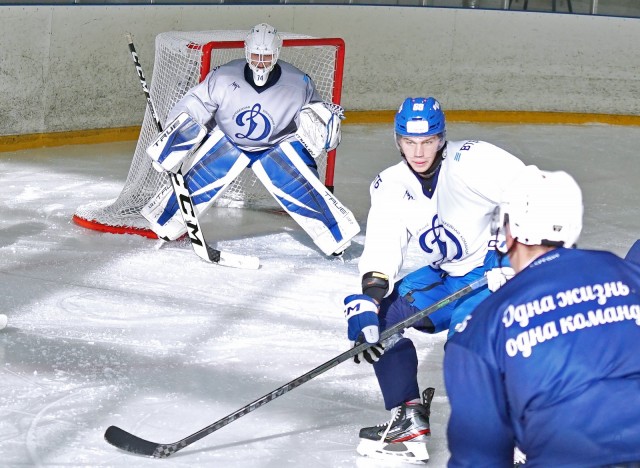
(182, 60)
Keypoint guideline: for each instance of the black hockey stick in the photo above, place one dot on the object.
(199, 244)
(134, 444)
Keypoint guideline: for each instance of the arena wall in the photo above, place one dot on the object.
(68, 68)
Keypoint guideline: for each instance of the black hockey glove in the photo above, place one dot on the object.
(370, 355)
(375, 352)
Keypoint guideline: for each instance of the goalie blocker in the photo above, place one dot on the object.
(217, 163)
(176, 143)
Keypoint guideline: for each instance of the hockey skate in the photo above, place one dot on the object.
(404, 437)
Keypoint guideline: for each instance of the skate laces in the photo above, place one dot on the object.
(394, 415)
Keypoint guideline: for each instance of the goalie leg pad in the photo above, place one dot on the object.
(299, 192)
(213, 168)
(176, 143)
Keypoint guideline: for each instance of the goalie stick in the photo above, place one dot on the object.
(198, 242)
(131, 443)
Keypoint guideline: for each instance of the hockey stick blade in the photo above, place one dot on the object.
(126, 441)
(227, 259)
(134, 444)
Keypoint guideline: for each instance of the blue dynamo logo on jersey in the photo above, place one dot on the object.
(258, 123)
(438, 237)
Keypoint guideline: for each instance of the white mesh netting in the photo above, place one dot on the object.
(179, 65)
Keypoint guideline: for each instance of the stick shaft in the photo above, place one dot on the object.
(143, 82)
(169, 449)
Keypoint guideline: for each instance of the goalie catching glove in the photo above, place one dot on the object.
(176, 143)
(319, 127)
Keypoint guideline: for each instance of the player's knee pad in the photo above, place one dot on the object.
(210, 171)
(285, 174)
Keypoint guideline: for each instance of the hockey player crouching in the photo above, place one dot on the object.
(442, 194)
(550, 361)
(261, 113)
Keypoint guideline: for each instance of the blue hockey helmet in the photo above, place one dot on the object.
(420, 117)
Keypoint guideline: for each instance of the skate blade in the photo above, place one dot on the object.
(407, 452)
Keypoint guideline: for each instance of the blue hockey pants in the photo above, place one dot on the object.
(397, 369)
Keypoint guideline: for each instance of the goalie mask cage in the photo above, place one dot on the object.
(183, 59)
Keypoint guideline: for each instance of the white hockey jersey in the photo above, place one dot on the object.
(254, 118)
(453, 226)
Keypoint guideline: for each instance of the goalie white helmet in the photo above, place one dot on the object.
(542, 208)
(262, 49)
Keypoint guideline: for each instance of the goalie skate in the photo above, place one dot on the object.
(404, 437)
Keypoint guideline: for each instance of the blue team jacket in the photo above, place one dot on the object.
(551, 361)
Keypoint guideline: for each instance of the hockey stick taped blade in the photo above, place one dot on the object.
(126, 441)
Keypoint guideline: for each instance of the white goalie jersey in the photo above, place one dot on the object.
(253, 118)
(453, 226)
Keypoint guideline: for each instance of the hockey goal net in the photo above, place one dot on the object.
(182, 60)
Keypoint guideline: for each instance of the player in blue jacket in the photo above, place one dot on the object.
(549, 362)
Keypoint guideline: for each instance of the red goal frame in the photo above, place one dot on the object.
(101, 218)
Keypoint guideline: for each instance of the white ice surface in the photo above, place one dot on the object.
(111, 330)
